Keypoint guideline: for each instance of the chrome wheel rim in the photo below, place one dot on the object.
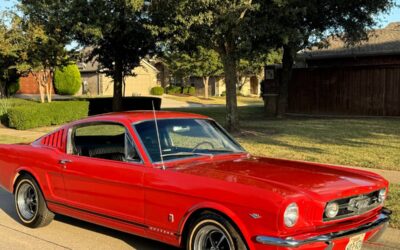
(211, 237)
(27, 201)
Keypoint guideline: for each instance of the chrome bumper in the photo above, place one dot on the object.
(327, 238)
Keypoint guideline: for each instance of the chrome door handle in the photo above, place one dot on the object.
(63, 162)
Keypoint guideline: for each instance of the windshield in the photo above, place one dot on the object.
(181, 138)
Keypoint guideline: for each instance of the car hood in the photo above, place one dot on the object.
(323, 182)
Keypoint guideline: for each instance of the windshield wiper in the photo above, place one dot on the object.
(187, 154)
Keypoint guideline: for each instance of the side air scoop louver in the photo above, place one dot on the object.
(55, 140)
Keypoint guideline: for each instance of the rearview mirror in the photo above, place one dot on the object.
(180, 129)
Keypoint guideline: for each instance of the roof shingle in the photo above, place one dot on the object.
(381, 42)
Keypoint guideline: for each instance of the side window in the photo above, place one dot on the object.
(102, 140)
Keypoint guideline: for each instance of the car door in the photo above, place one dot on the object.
(97, 178)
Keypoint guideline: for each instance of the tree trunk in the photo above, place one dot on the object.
(287, 67)
(3, 90)
(242, 81)
(42, 92)
(39, 80)
(118, 82)
(48, 85)
(230, 70)
(205, 82)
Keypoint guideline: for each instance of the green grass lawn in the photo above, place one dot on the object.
(220, 100)
(366, 142)
(394, 204)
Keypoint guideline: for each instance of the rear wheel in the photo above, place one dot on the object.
(30, 205)
(213, 232)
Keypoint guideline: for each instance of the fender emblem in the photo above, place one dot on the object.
(255, 216)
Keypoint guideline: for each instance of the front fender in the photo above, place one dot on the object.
(222, 209)
(18, 172)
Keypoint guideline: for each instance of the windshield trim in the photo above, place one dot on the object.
(241, 151)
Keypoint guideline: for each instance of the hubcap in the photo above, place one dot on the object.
(211, 237)
(27, 201)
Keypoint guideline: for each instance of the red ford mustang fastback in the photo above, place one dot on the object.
(182, 180)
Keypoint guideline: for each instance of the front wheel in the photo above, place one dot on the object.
(30, 204)
(213, 232)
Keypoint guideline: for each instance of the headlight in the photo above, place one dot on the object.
(331, 210)
(291, 215)
(382, 195)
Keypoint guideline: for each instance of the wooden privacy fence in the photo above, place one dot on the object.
(361, 90)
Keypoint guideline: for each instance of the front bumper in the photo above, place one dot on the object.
(382, 220)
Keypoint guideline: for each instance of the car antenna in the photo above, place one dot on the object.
(158, 137)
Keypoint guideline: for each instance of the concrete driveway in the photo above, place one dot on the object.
(64, 233)
(68, 233)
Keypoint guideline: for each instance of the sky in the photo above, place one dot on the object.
(383, 20)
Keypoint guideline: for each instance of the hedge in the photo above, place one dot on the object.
(46, 114)
(67, 80)
(157, 90)
(192, 91)
(103, 105)
(174, 90)
(185, 90)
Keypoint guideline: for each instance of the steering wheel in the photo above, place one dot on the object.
(202, 143)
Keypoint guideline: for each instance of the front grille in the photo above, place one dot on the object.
(355, 205)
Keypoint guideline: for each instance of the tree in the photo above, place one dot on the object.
(221, 25)
(12, 53)
(8, 55)
(178, 64)
(44, 27)
(116, 33)
(43, 55)
(295, 25)
(205, 64)
(202, 62)
(248, 68)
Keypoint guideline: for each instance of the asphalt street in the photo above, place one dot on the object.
(68, 233)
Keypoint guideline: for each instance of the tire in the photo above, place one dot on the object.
(212, 231)
(30, 204)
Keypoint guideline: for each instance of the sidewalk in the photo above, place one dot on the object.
(390, 241)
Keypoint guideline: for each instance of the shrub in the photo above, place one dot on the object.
(157, 90)
(5, 105)
(223, 93)
(67, 80)
(185, 90)
(174, 90)
(192, 91)
(46, 114)
(13, 87)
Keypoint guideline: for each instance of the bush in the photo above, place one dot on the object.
(5, 105)
(46, 114)
(67, 80)
(192, 91)
(185, 90)
(174, 90)
(223, 93)
(157, 90)
(13, 88)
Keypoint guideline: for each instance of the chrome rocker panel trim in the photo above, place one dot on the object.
(288, 242)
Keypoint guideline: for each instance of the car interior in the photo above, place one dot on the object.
(109, 146)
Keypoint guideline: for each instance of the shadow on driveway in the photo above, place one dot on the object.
(7, 206)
